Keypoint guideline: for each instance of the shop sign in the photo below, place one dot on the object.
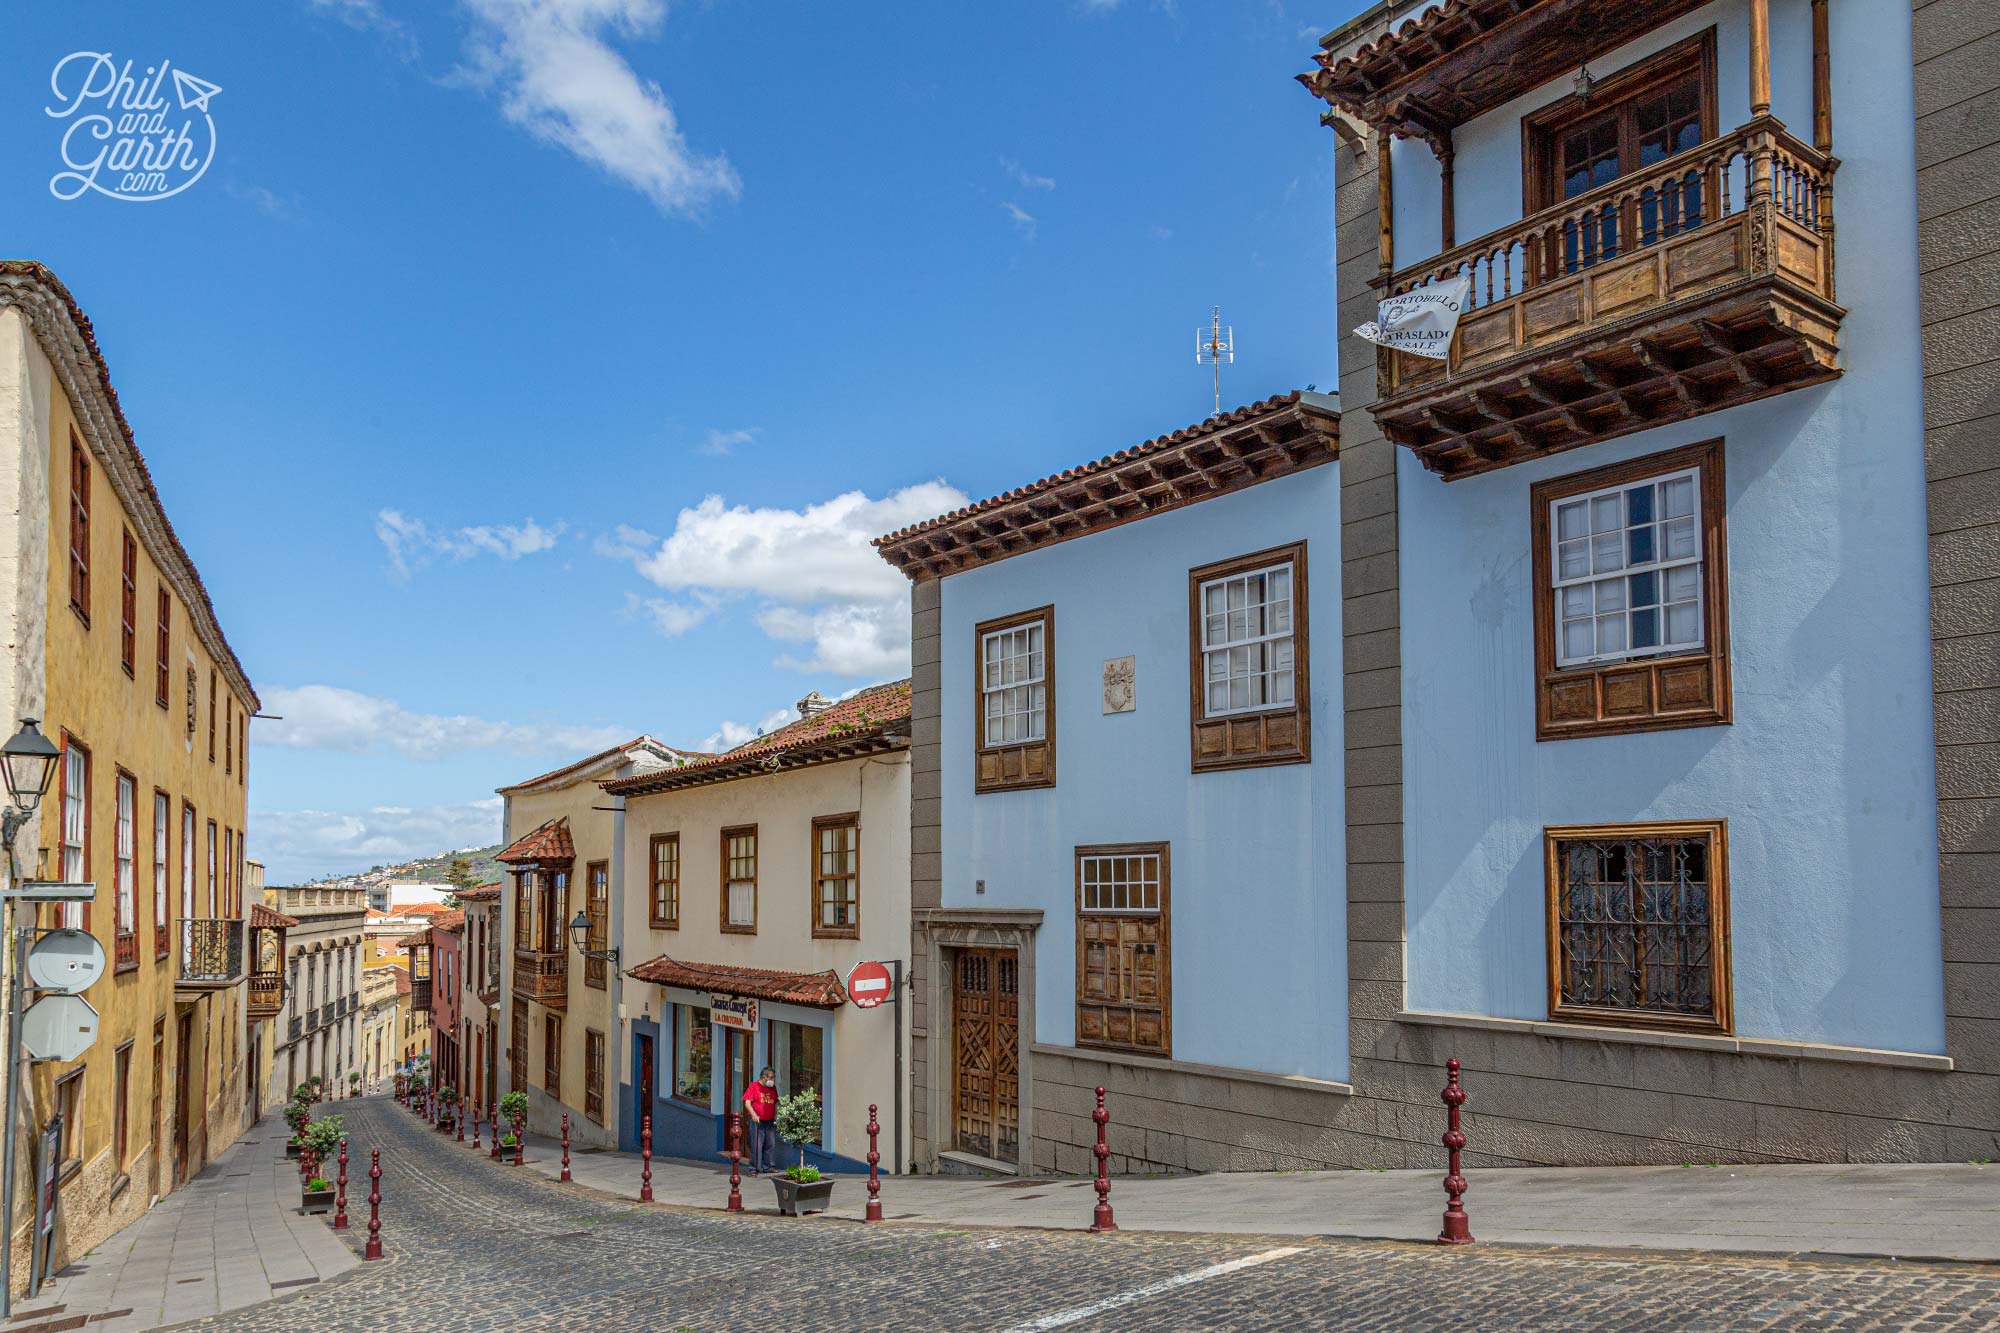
(733, 1011)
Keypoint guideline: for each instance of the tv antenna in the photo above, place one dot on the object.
(1215, 346)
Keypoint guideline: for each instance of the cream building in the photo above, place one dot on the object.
(758, 879)
(383, 990)
(318, 1030)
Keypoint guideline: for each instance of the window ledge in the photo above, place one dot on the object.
(1134, 1061)
(1764, 1046)
(120, 1185)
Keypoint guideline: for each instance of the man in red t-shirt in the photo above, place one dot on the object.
(760, 1109)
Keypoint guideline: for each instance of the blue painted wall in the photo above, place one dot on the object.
(1826, 775)
(1259, 951)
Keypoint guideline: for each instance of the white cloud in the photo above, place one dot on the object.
(411, 543)
(722, 443)
(1024, 221)
(816, 578)
(1024, 178)
(327, 717)
(732, 734)
(297, 845)
(367, 16)
(672, 619)
(559, 78)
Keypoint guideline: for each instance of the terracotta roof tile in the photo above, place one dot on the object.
(480, 894)
(878, 711)
(597, 758)
(263, 918)
(546, 842)
(451, 921)
(820, 990)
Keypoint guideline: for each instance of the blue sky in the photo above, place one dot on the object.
(527, 374)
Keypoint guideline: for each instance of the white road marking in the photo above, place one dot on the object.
(1124, 1298)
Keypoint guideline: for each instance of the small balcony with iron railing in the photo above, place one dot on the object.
(1701, 282)
(542, 975)
(210, 956)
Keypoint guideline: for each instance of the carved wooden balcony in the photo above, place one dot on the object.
(1702, 282)
(420, 994)
(542, 976)
(267, 995)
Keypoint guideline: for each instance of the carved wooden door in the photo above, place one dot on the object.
(986, 1055)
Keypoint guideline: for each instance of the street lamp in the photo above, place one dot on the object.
(29, 763)
(579, 931)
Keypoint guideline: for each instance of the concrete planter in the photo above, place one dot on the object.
(292, 1149)
(444, 1124)
(315, 1201)
(797, 1198)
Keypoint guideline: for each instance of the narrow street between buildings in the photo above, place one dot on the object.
(473, 1244)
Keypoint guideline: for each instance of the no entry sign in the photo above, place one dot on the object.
(868, 985)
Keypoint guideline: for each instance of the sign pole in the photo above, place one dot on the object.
(15, 938)
(898, 964)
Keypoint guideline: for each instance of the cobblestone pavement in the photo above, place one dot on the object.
(475, 1245)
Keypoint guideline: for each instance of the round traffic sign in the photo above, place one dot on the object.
(66, 961)
(868, 985)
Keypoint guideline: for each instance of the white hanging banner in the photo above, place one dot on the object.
(1420, 322)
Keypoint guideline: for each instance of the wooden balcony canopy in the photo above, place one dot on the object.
(1465, 57)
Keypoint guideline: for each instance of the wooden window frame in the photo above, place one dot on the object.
(1263, 737)
(121, 1107)
(72, 1125)
(593, 1074)
(670, 919)
(597, 911)
(211, 715)
(128, 605)
(228, 734)
(79, 528)
(125, 925)
(1016, 765)
(1634, 694)
(1721, 1019)
(756, 861)
(1541, 129)
(163, 872)
(517, 1046)
(1165, 917)
(163, 645)
(70, 742)
(214, 902)
(820, 930)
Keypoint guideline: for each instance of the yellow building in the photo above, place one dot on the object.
(114, 644)
(385, 993)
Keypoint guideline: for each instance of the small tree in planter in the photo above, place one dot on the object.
(446, 1100)
(801, 1189)
(513, 1110)
(297, 1115)
(321, 1141)
(354, 1084)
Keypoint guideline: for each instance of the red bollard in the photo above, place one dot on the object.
(493, 1123)
(646, 1159)
(1457, 1230)
(374, 1248)
(475, 1124)
(565, 1170)
(1100, 1217)
(340, 1198)
(874, 1185)
(735, 1158)
(458, 1114)
(520, 1141)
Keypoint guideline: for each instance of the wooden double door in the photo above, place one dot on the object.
(986, 1052)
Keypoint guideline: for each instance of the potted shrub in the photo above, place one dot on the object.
(513, 1111)
(801, 1189)
(354, 1084)
(297, 1116)
(320, 1141)
(446, 1096)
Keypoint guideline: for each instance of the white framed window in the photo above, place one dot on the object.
(1013, 683)
(187, 860)
(1246, 641)
(162, 812)
(739, 878)
(1627, 570)
(127, 799)
(1124, 883)
(75, 827)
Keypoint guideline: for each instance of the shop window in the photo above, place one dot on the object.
(1250, 688)
(693, 1060)
(798, 1056)
(1014, 713)
(1638, 926)
(1123, 973)
(739, 880)
(664, 902)
(1631, 591)
(837, 876)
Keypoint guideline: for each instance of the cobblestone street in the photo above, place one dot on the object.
(474, 1245)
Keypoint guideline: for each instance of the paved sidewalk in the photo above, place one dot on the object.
(231, 1237)
(1945, 1211)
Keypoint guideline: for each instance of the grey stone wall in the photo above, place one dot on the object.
(926, 859)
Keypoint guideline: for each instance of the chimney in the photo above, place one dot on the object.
(813, 703)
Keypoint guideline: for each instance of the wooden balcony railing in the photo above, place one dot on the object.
(1702, 281)
(420, 994)
(267, 995)
(126, 946)
(211, 951)
(542, 976)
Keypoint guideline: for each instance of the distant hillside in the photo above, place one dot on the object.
(427, 870)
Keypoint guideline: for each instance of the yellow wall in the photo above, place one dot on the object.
(93, 701)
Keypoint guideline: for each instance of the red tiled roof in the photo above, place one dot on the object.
(878, 712)
(263, 918)
(547, 842)
(402, 981)
(482, 893)
(451, 921)
(39, 273)
(821, 990)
